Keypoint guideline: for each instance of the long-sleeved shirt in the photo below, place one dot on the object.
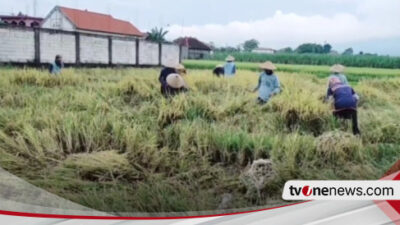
(344, 97)
(219, 71)
(268, 85)
(164, 74)
(341, 77)
(55, 68)
(230, 69)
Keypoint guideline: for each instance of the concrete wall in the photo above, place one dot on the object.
(184, 53)
(17, 45)
(123, 51)
(198, 54)
(169, 54)
(148, 53)
(25, 45)
(52, 44)
(94, 49)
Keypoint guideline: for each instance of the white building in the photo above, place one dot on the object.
(264, 51)
(67, 19)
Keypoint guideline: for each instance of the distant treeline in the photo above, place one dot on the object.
(315, 59)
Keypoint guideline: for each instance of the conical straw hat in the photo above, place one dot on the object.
(230, 58)
(171, 64)
(175, 81)
(219, 66)
(337, 68)
(180, 67)
(268, 65)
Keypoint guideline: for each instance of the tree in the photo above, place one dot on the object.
(348, 51)
(310, 48)
(157, 35)
(227, 49)
(250, 45)
(327, 48)
(285, 50)
(212, 46)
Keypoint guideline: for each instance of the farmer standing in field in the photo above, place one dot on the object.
(268, 83)
(56, 67)
(175, 84)
(345, 102)
(230, 67)
(337, 71)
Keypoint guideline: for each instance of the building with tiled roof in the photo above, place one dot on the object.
(62, 18)
(21, 20)
(195, 48)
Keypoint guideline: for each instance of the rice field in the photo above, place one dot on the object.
(107, 139)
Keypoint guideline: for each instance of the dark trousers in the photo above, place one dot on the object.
(349, 114)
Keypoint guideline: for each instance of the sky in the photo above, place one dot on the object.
(366, 25)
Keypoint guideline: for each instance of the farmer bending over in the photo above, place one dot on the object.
(56, 67)
(230, 67)
(268, 83)
(337, 71)
(175, 84)
(169, 68)
(219, 70)
(345, 102)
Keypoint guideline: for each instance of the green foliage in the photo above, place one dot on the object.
(315, 59)
(311, 48)
(354, 74)
(157, 35)
(250, 45)
(348, 51)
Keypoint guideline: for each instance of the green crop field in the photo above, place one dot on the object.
(317, 59)
(354, 74)
(107, 139)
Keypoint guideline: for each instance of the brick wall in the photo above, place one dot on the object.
(25, 45)
(170, 54)
(17, 45)
(94, 49)
(148, 53)
(52, 44)
(123, 51)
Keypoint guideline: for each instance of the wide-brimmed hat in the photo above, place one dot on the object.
(180, 67)
(171, 64)
(230, 58)
(268, 65)
(219, 66)
(337, 68)
(176, 81)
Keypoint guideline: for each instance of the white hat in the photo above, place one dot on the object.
(176, 81)
(337, 68)
(230, 58)
(179, 67)
(171, 64)
(268, 65)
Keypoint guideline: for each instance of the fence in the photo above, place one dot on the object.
(38, 46)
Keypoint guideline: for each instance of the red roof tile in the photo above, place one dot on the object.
(92, 21)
